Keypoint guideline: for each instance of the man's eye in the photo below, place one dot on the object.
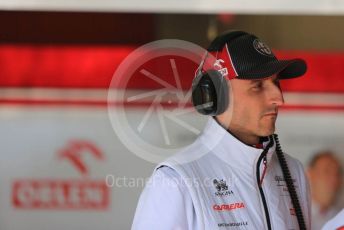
(258, 85)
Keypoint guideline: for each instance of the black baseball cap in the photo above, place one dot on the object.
(244, 56)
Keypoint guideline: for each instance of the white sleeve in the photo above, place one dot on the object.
(305, 199)
(335, 223)
(165, 203)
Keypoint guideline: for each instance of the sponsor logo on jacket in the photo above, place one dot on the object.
(221, 188)
(228, 207)
(282, 185)
(233, 224)
(281, 181)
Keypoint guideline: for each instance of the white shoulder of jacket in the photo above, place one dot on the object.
(165, 203)
(335, 223)
(296, 167)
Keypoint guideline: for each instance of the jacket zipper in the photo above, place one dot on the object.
(260, 180)
(264, 170)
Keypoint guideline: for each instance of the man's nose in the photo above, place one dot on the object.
(277, 96)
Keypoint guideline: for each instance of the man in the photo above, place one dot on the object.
(325, 177)
(239, 183)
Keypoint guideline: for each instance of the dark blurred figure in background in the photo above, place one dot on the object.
(325, 178)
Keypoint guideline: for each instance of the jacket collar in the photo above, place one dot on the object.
(230, 149)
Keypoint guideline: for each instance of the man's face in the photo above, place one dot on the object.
(325, 180)
(255, 105)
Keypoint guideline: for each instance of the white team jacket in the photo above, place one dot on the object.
(220, 189)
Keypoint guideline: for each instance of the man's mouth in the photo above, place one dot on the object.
(270, 113)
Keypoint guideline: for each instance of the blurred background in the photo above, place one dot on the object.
(62, 165)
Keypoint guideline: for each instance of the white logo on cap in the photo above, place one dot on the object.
(222, 70)
(262, 48)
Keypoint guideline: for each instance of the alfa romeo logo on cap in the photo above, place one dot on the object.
(262, 48)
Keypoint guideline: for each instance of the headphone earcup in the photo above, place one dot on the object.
(210, 93)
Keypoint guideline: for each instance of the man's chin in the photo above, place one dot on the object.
(267, 132)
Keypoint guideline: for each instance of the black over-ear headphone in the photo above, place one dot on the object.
(210, 95)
